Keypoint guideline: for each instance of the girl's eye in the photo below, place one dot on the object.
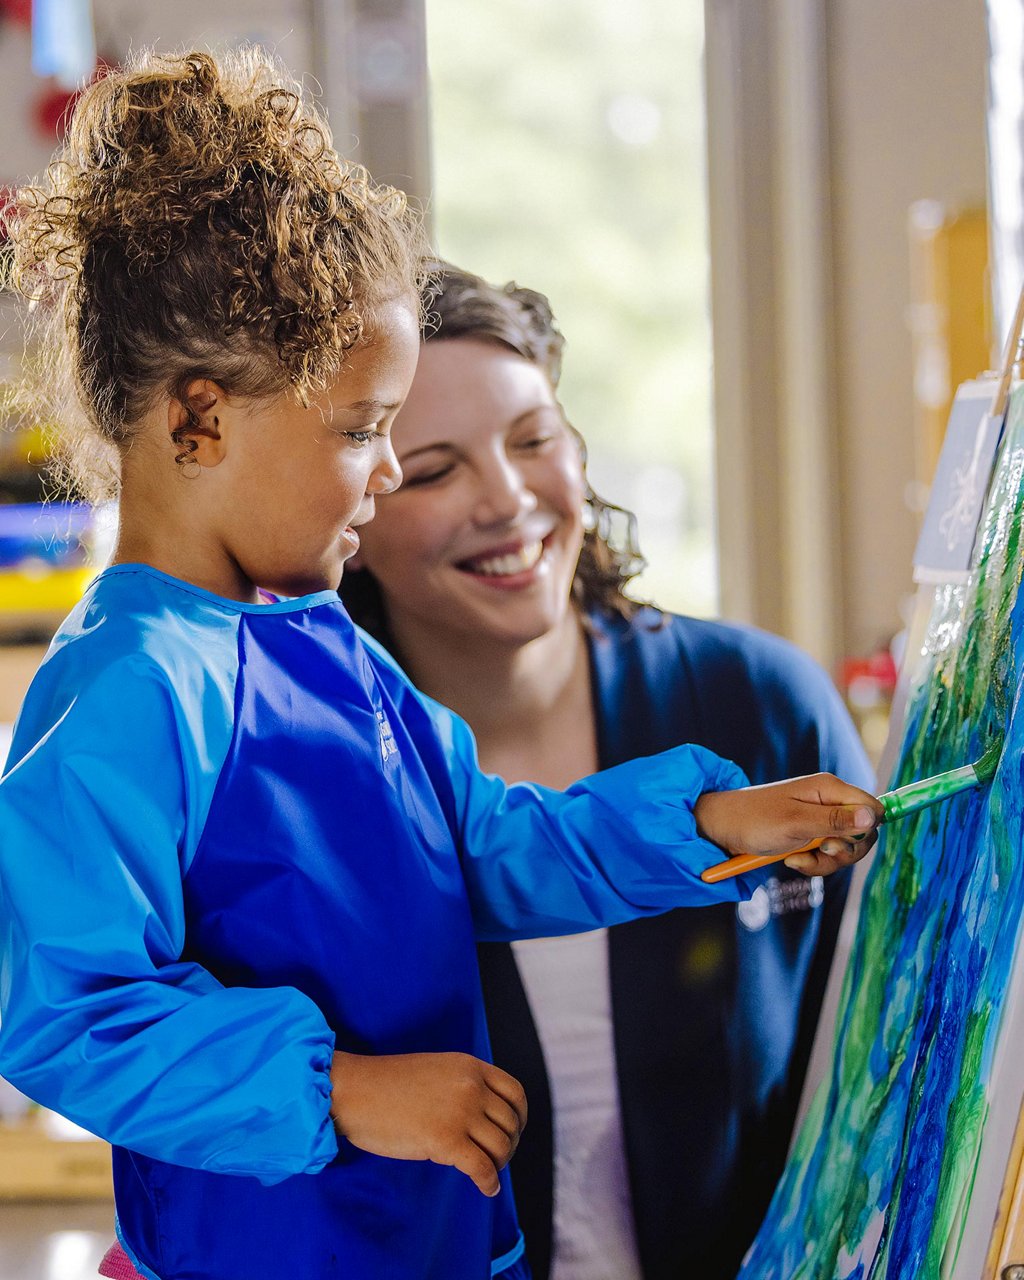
(360, 437)
(536, 442)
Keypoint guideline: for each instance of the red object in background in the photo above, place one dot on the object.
(19, 11)
(867, 681)
(52, 110)
(53, 107)
(879, 667)
(6, 200)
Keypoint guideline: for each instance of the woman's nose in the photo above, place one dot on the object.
(504, 495)
(387, 474)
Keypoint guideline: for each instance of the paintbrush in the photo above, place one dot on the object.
(895, 804)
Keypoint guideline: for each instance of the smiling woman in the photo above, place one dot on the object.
(487, 528)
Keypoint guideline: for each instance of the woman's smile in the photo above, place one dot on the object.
(485, 534)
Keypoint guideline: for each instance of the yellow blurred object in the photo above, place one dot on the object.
(28, 597)
(31, 444)
(950, 318)
(34, 1165)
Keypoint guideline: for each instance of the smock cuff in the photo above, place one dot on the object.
(325, 1143)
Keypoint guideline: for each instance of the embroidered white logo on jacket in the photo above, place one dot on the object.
(388, 745)
(780, 898)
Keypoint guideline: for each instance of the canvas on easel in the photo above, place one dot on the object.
(899, 1165)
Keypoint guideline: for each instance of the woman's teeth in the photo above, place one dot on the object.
(504, 566)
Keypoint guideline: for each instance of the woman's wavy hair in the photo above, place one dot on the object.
(197, 222)
(458, 304)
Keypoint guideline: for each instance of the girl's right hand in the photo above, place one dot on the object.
(782, 816)
(450, 1108)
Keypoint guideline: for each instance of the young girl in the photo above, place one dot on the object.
(663, 1058)
(243, 862)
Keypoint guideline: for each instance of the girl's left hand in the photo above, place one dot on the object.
(779, 816)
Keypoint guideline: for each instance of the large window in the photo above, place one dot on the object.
(569, 156)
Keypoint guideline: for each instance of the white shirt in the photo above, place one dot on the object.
(566, 981)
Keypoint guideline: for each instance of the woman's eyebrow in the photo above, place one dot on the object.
(437, 446)
(445, 445)
(528, 413)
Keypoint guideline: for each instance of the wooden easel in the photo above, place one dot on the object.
(1006, 1251)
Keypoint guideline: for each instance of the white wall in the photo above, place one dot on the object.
(907, 121)
(827, 119)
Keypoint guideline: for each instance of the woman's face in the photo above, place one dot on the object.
(483, 537)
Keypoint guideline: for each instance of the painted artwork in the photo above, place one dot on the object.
(882, 1176)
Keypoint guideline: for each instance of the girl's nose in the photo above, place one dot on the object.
(504, 496)
(387, 474)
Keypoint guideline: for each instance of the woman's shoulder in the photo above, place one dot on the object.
(758, 698)
(710, 645)
(729, 669)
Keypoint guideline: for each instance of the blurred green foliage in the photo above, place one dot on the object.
(568, 144)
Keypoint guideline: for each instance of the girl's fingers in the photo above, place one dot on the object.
(841, 821)
(509, 1090)
(813, 864)
(478, 1166)
(495, 1142)
(831, 856)
(498, 1111)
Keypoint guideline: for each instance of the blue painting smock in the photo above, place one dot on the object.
(235, 838)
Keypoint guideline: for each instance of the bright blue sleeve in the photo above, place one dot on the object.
(620, 844)
(102, 1019)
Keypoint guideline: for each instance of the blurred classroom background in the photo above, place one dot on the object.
(765, 230)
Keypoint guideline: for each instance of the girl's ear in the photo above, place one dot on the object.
(194, 425)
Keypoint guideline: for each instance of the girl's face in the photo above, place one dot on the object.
(294, 485)
(484, 535)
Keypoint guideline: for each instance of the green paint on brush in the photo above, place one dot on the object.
(928, 791)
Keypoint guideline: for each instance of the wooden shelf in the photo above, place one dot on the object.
(36, 1166)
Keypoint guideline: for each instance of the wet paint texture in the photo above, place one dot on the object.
(883, 1167)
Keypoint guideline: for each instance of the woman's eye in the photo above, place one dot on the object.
(426, 477)
(536, 442)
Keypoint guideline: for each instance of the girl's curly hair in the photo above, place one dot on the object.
(458, 304)
(198, 222)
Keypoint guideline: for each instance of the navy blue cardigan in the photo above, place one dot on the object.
(714, 1008)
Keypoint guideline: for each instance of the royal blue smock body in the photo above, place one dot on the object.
(235, 838)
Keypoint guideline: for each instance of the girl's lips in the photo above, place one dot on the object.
(351, 537)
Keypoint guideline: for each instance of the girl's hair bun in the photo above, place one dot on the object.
(198, 222)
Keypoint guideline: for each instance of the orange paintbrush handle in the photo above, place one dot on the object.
(751, 861)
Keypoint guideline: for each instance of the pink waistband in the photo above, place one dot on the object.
(117, 1265)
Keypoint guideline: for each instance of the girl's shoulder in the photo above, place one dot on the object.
(135, 648)
(131, 610)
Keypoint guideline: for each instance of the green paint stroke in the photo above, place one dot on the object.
(882, 1170)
